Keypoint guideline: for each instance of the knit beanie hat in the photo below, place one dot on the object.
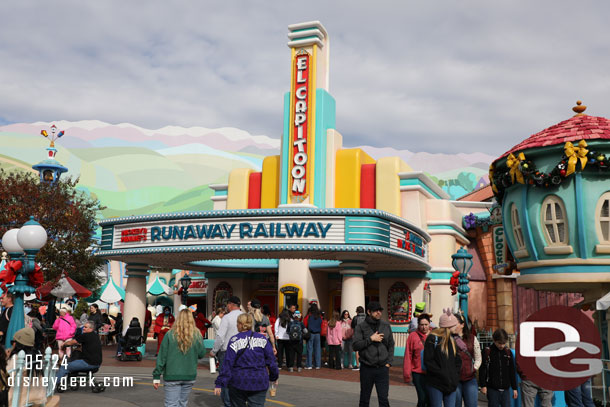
(447, 319)
(25, 336)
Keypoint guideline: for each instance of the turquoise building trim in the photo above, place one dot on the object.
(325, 120)
(526, 226)
(220, 192)
(580, 217)
(417, 182)
(285, 153)
(400, 274)
(107, 235)
(403, 329)
(440, 275)
(569, 269)
(367, 230)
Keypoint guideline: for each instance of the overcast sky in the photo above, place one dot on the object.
(436, 76)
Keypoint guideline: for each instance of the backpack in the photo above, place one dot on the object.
(421, 355)
(295, 331)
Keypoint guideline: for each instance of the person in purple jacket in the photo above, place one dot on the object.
(248, 367)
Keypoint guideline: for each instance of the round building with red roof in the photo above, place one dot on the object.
(554, 189)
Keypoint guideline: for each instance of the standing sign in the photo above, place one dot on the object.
(300, 126)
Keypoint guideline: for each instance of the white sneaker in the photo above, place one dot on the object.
(308, 368)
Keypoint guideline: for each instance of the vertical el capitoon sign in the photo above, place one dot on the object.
(300, 127)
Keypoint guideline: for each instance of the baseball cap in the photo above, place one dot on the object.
(255, 303)
(374, 306)
(235, 300)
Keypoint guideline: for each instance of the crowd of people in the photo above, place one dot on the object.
(445, 362)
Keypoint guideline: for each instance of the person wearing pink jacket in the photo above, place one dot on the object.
(334, 337)
(65, 327)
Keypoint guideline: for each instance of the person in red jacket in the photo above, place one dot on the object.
(201, 322)
(163, 323)
(412, 366)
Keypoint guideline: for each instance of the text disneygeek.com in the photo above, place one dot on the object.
(72, 381)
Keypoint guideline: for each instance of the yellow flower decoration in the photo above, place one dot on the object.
(575, 154)
(513, 162)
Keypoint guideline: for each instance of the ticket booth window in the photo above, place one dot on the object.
(289, 295)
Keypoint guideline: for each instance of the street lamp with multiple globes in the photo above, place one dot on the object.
(22, 245)
(462, 262)
(185, 282)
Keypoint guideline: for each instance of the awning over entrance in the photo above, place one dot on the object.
(382, 240)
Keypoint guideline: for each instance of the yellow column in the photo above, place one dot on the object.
(387, 184)
(239, 183)
(270, 184)
(348, 170)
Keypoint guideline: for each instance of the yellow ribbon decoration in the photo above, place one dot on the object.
(574, 154)
(513, 162)
(491, 179)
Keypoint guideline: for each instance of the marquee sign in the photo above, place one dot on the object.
(267, 233)
(231, 231)
(300, 127)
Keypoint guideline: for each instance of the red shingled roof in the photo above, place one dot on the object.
(574, 129)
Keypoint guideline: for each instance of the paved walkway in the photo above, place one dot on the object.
(324, 387)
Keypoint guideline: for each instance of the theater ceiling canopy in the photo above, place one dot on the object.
(180, 240)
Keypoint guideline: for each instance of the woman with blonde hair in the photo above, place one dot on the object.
(442, 363)
(248, 367)
(180, 351)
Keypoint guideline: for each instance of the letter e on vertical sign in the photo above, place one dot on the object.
(300, 126)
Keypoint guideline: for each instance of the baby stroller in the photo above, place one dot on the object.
(132, 341)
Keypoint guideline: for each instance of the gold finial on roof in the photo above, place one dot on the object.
(578, 109)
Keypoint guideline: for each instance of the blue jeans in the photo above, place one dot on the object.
(497, 398)
(469, 390)
(580, 396)
(224, 392)
(419, 381)
(177, 392)
(78, 365)
(313, 346)
(438, 398)
(253, 398)
(378, 377)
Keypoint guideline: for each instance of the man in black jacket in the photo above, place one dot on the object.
(374, 343)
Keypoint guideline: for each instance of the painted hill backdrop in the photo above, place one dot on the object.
(136, 171)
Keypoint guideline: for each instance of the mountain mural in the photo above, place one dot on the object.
(136, 171)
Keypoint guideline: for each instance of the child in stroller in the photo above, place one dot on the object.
(131, 341)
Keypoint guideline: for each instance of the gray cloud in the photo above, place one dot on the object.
(439, 77)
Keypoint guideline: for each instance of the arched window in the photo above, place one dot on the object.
(520, 250)
(555, 226)
(602, 220)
